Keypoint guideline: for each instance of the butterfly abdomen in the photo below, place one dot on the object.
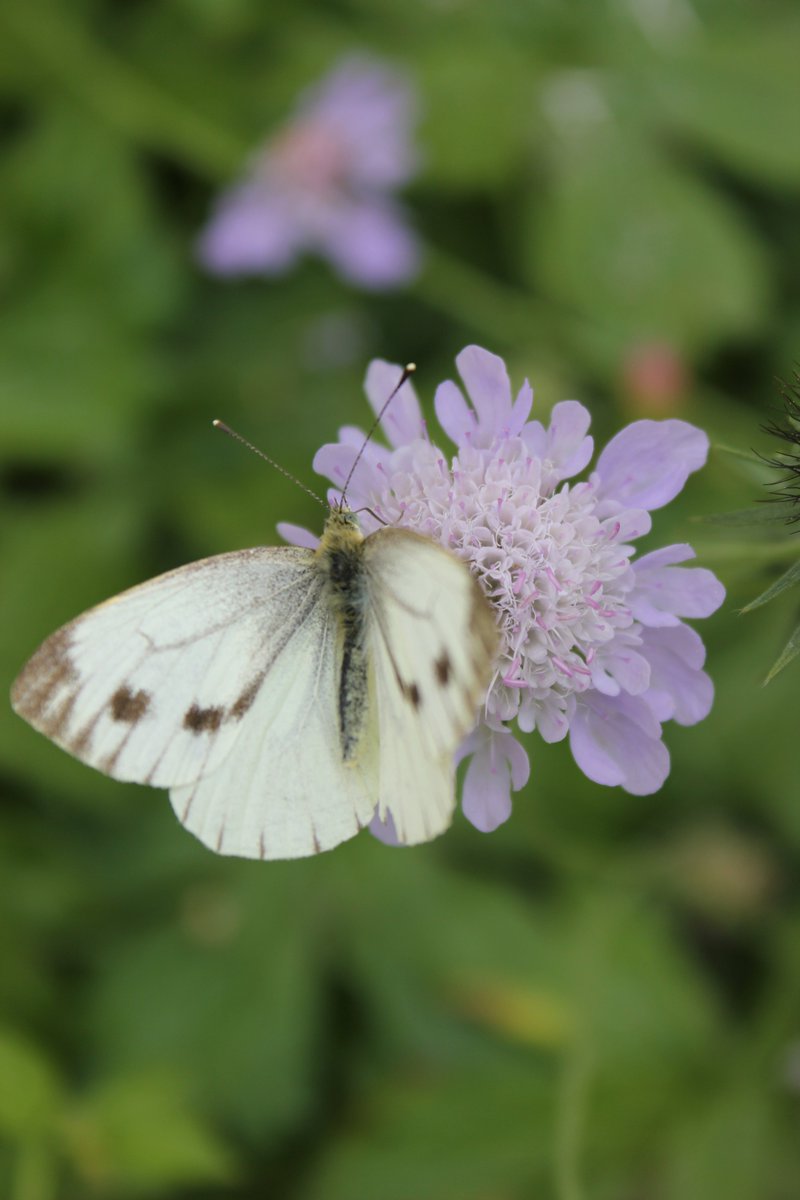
(341, 559)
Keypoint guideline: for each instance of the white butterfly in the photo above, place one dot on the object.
(283, 695)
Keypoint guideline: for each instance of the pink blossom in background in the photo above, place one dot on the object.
(655, 379)
(595, 646)
(325, 183)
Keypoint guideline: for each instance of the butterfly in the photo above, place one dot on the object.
(283, 695)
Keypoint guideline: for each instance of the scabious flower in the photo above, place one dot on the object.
(594, 646)
(325, 183)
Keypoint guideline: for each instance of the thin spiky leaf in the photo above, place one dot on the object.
(789, 652)
(787, 580)
(777, 513)
(748, 456)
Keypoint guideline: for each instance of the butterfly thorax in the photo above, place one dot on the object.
(340, 558)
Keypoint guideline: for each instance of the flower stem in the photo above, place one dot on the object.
(572, 1098)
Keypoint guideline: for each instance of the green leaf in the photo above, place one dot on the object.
(644, 250)
(226, 996)
(82, 384)
(142, 1134)
(787, 580)
(789, 652)
(30, 1090)
(726, 1149)
(477, 141)
(470, 1134)
(737, 91)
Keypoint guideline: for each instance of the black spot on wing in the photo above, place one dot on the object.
(244, 702)
(444, 669)
(412, 694)
(129, 706)
(203, 720)
(48, 674)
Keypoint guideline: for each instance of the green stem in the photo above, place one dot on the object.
(572, 1102)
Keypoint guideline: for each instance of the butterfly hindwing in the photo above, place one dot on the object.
(286, 791)
(431, 637)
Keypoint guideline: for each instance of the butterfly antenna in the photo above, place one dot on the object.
(408, 371)
(232, 433)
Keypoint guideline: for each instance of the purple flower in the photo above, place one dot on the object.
(325, 183)
(594, 643)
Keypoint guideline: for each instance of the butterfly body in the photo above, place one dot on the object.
(340, 557)
(284, 696)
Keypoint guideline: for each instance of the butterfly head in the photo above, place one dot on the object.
(341, 528)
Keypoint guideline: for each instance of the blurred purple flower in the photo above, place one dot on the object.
(325, 183)
(594, 645)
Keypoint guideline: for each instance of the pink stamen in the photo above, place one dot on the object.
(515, 683)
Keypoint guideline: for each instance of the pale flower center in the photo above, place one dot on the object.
(556, 575)
(308, 155)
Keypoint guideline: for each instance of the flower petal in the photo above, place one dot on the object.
(618, 667)
(616, 741)
(453, 413)
(403, 421)
(252, 231)
(568, 446)
(385, 831)
(553, 717)
(296, 535)
(371, 243)
(521, 409)
(334, 460)
(488, 387)
(498, 763)
(664, 593)
(371, 107)
(679, 690)
(648, 462)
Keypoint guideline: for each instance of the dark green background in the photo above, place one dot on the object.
(600, 1000)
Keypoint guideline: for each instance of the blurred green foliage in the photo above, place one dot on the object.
(600, 1000)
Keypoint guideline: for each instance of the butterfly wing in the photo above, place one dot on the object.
(285, 792)
(152, 685)
(159, 684)
(431, 638)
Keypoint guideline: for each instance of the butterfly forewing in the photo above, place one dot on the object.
(431, 638)
(153, 686)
